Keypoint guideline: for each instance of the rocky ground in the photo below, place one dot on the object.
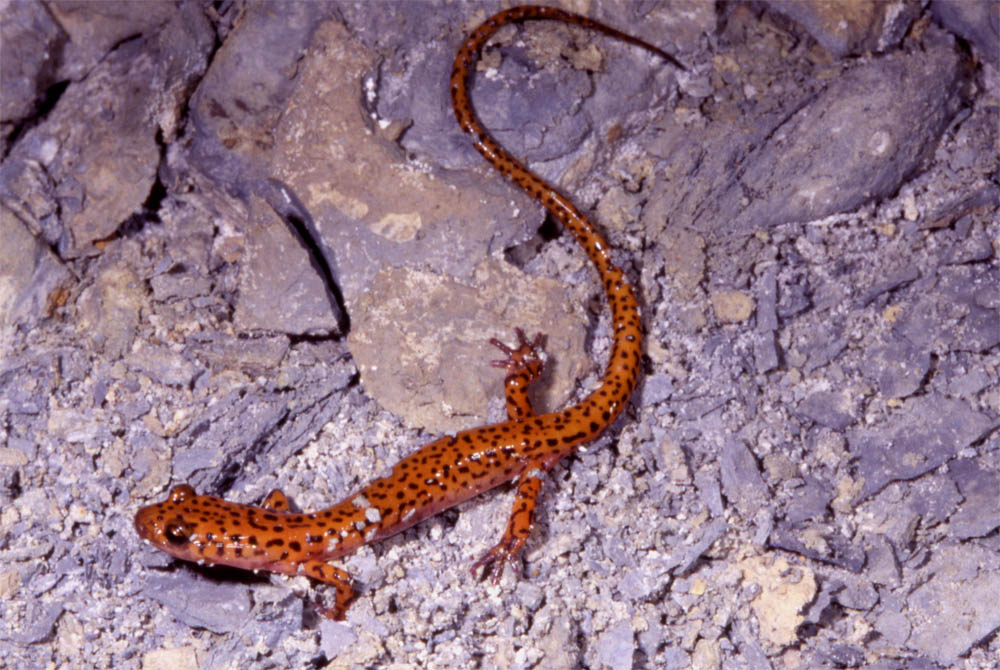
(246, 246)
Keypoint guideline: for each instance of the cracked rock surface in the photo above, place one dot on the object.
(808, 475)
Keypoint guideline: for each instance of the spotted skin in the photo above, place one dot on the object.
(451, 469)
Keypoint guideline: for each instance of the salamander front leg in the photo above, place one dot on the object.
(524, 366)
(341, 582)
(518, 526)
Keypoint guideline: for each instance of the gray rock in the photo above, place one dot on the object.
(235, 426)
(949, 311)
(222, 351)
(656, 388)
(201, 602)
(850, 29)
(42, 624)
(979, 513)
(689, 555)
(974, 249)
(894, 627)
(839, 655)
(615, 646)
(831, 157)
(833, 409)
(171, 286)
(825, 345)
(29, 44)
(956, 608)
(99, 173)
(819, 543)
(969, 383)
(857, 594)
(882, 566)
(815, 610)
(974, 20)
(31, 276)
(709, 491)
(765, 352)
(898, 368)
(94, 29)
(163, 364)
(336, 637)
(809, 502)
(794, 297)
(741, 479)
(924, 433)
(244, 436)
(767, 301)
(933, 497)
(901, 278)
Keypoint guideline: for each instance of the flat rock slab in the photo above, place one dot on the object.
(928, 431)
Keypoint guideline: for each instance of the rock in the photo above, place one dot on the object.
(975, 20)
(766, 354)
(732, 306)
(894, 627)
(933, 497)
(844, 27)
(824, 345)
(163, 364)
(882, 566)
(809, 502)
(741, 481)
(979, 513)
(656, 388)
(924, 433)
(29, 43)
(898, 368)
(220, 607)
(830, 151)
(857, 593)
(108, 310)
(33, 281)
(956, 607)
(177, 658)
(94, 29)
(818, 542)
(894, 281)
(615, 646)
(833, 409)
(428, 325)
(949, 314)
(336, 637)
(372, 212)
(99, 173)
(832, 158)
(784, 592)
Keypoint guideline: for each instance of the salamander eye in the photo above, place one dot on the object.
(181, 493)
(176, 534)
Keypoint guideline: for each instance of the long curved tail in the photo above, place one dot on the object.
(623, 367)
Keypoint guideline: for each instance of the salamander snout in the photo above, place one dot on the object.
(163, 525)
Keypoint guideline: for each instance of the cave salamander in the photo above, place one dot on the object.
(451, 469)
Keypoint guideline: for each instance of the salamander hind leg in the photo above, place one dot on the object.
(518, 526)
(276, 501)
(524, 366)
(341, 582)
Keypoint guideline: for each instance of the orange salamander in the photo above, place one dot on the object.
(451, 469)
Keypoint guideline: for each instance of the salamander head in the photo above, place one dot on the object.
(171, 525)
